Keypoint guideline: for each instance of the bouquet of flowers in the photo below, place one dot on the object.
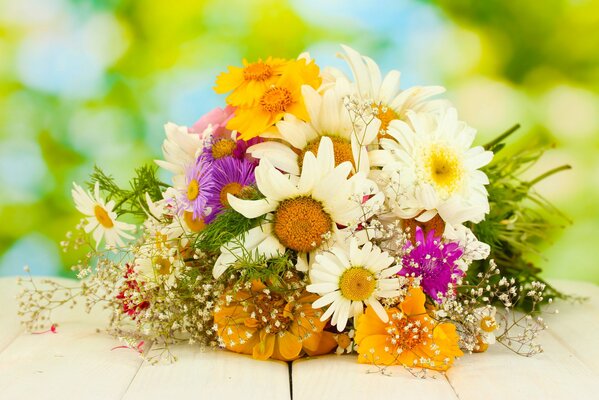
(316, 213)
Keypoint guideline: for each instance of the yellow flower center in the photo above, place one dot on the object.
(276, 99)
(234, 188)
(300, 223)
(357, 284)
(341, 149)
(444, 168)
(193, 190)
(257, 71)
(162, 265)
(487, 324)
(103, 217)
(195, 225)
(223, 148)
(386, 115)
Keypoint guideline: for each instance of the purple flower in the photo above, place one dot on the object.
(194, 195)
(230, 175)
(433, 261)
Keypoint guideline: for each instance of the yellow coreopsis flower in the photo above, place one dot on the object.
(264, 108)
(247, 83)
(410, 337)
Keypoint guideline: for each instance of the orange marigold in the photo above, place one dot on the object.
(264, 108)
(267, 325)
(411, 337)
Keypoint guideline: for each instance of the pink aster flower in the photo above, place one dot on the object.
(433, 261)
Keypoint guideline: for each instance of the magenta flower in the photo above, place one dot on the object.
(229, 175)
(433, 261)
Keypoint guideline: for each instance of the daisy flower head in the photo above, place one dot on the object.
(347, 280)
(388, 100)
(300, 213)
(281, 96)
(229, 176)
(247, 83)
(328, 117)
(487, 325)
(192, 196)
(433, 261)
(101, 219)
(410, 337)
(437, 170)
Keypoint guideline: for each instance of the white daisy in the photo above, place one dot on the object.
(181, 149)
(101, 219)
(486, 324)
(389, 101)
(432, 169)
(348, 280)
(301, 213)
(329, 117)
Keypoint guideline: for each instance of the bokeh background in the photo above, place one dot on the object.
(93, 82)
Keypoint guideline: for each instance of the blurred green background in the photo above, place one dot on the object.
(93, 82)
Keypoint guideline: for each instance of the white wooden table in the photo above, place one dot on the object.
(78, 363)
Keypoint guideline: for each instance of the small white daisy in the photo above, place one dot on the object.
(348, 280)
(301, 213)
(487, 324)
(101, 219)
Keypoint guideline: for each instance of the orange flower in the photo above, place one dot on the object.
(266, 107)
(266, 325)
(250, 81)
(410, 338)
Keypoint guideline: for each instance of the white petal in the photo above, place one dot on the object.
(251, 208)
(378, 309)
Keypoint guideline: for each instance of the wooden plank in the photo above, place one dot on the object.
(568, 368)
(211, 374)
(76, 362)
(10, 326)
(341, 377)
(576, 326)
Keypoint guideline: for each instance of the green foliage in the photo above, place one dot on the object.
(227, 226)
(129, 201)
(520, 220)
(277, 273)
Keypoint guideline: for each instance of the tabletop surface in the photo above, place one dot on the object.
(79, 362)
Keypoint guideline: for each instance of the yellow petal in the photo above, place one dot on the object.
(288, 347)
(265, 347)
